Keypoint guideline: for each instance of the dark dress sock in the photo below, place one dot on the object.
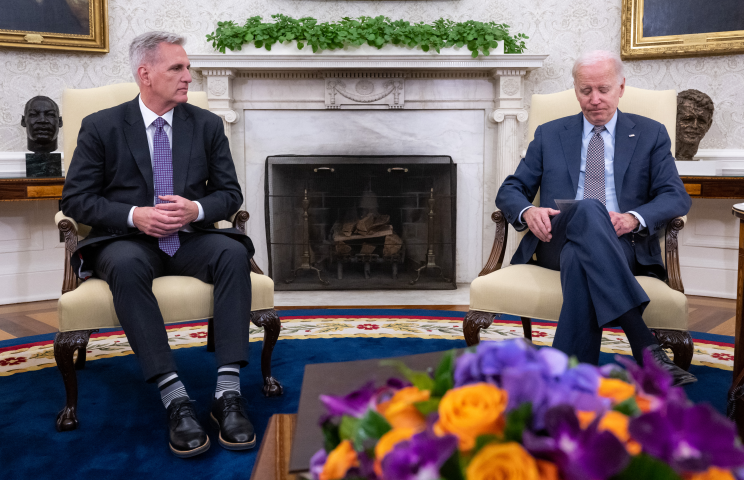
(639, 336)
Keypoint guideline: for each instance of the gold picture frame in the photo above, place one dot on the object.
(634, 45)
(64, 26)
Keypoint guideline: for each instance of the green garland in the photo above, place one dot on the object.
(377, 32)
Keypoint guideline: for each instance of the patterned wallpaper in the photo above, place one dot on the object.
(560, 28)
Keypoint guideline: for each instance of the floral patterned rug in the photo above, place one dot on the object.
(710, 350)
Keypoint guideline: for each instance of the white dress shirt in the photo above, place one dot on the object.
(149, 117)
(608, 136)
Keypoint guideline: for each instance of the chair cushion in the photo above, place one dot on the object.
(535, 292)
(181, 299)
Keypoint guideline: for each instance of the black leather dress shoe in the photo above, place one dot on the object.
(680, 376)
(187, 437)
(236, 431)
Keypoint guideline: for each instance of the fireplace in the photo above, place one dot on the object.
(361, 222)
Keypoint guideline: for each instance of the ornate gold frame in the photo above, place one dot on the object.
(96, 41)
(635, 46)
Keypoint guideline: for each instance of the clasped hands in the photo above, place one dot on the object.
(165, 218)
(538, 221)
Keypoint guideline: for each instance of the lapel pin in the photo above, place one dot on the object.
(632, 135)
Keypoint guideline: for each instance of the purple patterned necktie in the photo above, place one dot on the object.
(162, 167)
(594, 173)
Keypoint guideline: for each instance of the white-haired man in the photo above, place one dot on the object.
(620, 169)
(151, 177)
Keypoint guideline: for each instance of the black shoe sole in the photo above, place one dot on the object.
(687, 381)
(229, 445)
(190, 453)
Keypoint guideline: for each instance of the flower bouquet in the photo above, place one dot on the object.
(511, 411)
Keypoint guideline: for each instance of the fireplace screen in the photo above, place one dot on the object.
(361, 222)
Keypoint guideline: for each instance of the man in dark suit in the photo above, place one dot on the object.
(620, 170)
(152, 176)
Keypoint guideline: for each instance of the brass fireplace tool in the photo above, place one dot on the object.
(430, 258)
(305, 265)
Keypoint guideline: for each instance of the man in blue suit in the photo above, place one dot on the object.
(620, 169)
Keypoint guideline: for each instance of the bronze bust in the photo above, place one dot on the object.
(42, 122)
(694, 118)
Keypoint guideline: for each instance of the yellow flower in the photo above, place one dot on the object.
(615, 389)
(339, 461)
(503, 461)
(387, 442)
(470, 411)
(585, 418)
(617, 424)
(400, 411)
(713, 473)
(548, 470)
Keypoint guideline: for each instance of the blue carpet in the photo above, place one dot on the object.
(123, 429)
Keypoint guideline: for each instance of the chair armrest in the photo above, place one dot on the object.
(69, 228)
(499, 245)
(239, 219)
(671, 252)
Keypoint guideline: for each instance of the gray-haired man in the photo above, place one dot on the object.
(152, 176)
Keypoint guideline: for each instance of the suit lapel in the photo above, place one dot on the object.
(183, 127)
(571, 141)
(136, 135)
(626, 139)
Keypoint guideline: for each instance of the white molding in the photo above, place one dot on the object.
(13, 164)
(709, 154)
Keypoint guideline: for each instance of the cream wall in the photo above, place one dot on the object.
(560, 28)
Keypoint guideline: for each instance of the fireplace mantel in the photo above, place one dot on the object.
(473, 105)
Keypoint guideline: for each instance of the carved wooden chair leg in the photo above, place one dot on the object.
(473, 323)
(269, 320)
(679, 342)
(527, 327)
(65, 345)
(210, 334)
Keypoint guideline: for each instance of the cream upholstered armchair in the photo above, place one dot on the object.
(88, 306)
(529, 291)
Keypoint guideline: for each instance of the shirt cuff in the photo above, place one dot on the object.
(200, 217)
(640, 220)
(524, 210)
(130, 218)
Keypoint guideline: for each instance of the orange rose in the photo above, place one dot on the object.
(548, 470)
(387, 442)
(503, 461)
(470, 411)
(400, 411)
(615, 389)
(339, 461)
(617, 424)
(585, 418)
(712, 473)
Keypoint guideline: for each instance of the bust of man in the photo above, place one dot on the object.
(42, 121)
(694, 118)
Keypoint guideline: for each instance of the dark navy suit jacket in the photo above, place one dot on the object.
(646, 180)
(111, 171)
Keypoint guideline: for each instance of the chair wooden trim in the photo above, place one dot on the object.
(679, 342)
(67, 344)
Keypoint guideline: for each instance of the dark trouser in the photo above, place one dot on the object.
(130, 265)
(597, 277)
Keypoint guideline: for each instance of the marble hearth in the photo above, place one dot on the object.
(375, 104)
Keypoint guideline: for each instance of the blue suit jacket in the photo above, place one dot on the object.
(646, 179)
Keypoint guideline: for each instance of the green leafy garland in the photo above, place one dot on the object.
(377, 32)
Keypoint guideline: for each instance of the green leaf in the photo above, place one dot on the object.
(572, 361)
(331, 438)
(300, 45)
(348, 427)
(451, 470)
(628, 407)
(644, 467)
(428, 406)
(371, 426)
(421, 380)
(483, 440)
(444, 377)
(517, 421)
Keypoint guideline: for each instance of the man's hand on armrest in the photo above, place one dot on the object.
(624, 223)
(538, 221)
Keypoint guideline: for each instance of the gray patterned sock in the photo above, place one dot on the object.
(170, 387)
(228, 379)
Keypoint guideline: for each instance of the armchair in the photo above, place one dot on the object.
(85, 307)
(529, 291)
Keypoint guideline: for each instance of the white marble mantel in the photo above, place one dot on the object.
(364, 101)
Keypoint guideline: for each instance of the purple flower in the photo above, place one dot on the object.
(490, 360)
(317, 462)
(354, 404)
(690, 438)
(580, 454)
(419, 458)
(652, 380)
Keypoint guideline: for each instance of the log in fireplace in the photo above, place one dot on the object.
(361, 222)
